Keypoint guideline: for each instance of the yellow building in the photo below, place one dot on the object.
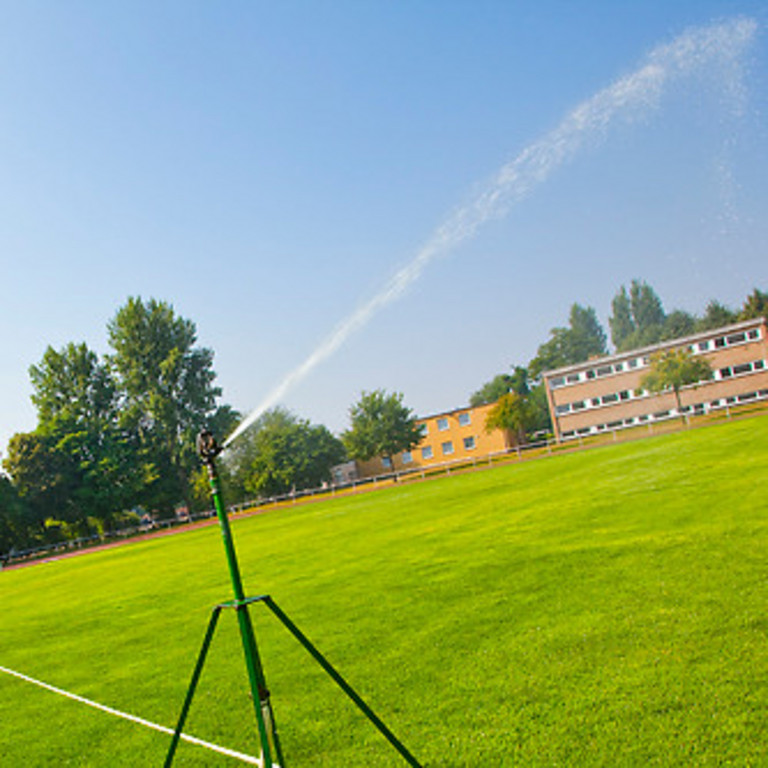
(606, 394)
(457, 435)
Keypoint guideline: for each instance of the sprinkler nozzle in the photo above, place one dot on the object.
(207, 446)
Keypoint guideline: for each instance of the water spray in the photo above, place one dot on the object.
(271, 751)
(627, 99)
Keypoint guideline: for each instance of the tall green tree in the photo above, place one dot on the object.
(380, 425)
(168, 392)
(755, 305)
(621, 322)
(671, 370)
(716, 315)
(511, 413)
(637, 317)
(283, 453)
(15, 528)
(678, 324)
(583, 338)
(499, 385)
(46, 479)
(78, 410)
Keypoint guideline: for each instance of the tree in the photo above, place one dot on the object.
(637, 317)
(14, 522)
(755, 305)
(715, 316)
(166, 383)
(678, 324)
(380, 425)
(513, 413)
(584, 338)
(499, 385)
(44, 478)
(286, 453)
(673, 370)
(78, 412)
(621, 322)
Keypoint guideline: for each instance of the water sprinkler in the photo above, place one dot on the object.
(271, 752)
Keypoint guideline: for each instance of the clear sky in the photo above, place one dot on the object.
(269, 167)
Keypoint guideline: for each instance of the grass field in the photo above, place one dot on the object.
(601, 608)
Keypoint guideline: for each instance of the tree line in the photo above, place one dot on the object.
(637, 319)
(115, 436)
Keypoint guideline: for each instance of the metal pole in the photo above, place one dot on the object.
(270, 744)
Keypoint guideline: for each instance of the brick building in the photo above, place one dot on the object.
(605, 393)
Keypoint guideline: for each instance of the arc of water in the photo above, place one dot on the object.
(630, 96)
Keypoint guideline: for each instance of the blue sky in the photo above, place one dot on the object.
(268, 167)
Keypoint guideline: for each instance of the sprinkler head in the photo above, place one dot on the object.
(207, 446)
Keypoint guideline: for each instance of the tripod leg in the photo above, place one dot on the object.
(341, 682)
(193, 685)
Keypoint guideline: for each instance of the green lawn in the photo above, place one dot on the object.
(601, 608)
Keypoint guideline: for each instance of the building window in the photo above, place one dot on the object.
(561, 409)
(558, 382)
(464, 419)
(703, 346)
(753, 334)
(424, 429)
(407, 457)
(386, 462)
(578, 405)
(572, 378)
(737, 338)
(426, 452)
(447, 447)
(469, 443)
(442, 424)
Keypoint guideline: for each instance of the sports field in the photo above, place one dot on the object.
(608, 607)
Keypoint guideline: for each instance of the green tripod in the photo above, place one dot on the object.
(271, 752)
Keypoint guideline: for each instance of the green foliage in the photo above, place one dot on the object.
(283, 453)
(167, 391)
(638, 317)
(755, 305)
(14, 521)
(583, 339)
(674, 369)
(499, 385)
(715, 315)
(380, 425)
(512, 413)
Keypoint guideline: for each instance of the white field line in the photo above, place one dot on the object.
(140, 720)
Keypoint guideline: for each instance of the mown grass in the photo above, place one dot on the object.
(600, 608)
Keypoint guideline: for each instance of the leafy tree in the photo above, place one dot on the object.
(78, 409)
(168, 393)
(621, 322)
(512, 413)
(755, 305)
(14, 522)
(583, 339)
(380, 425)
(673, 370)
(499, 385)
(285, 452)
(715, 316)
(637, 318)
(678, 324)
(647, 309)
(45, 479)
